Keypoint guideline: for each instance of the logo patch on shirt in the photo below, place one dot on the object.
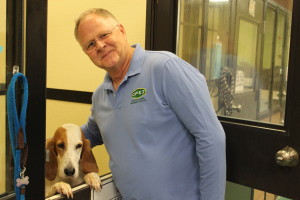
(138, 95)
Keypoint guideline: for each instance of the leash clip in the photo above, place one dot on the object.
(23, 172)
(22, 181)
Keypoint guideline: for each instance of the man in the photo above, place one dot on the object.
(154, 114)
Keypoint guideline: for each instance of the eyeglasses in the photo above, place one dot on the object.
(102, 37)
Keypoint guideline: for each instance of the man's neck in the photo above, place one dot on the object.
(118, 75)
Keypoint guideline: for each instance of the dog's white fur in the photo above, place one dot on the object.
(69, 162)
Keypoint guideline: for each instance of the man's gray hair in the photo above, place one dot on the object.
(98, 11)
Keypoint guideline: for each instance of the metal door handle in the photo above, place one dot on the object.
(287, 157)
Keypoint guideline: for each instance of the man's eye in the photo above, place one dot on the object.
(103, 36)
(90, 45)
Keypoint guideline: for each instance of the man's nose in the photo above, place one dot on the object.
(99, 44)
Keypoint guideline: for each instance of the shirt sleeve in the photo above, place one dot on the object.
(185, 90)
(92, 132)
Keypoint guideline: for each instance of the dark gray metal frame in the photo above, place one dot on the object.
(36, 57)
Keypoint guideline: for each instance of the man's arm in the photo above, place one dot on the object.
(186, 91)
(92, 132)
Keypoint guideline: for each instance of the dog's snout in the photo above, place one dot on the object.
(69, 171)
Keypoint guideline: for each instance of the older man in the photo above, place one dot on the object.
(154, 115)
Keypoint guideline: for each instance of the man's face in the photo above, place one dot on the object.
(103, 40)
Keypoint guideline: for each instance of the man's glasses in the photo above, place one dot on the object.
(102, 37)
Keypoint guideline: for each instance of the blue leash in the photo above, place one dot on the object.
(17, 130)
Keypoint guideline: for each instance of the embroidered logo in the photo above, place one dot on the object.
(138, 95)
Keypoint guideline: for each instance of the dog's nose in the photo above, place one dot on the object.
(69, 171)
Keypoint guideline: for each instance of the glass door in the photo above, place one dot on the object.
(273, 72)
(72, 77)
(11, 60)
(244, 49)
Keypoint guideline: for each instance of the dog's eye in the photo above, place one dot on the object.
(78, 146)
(61, 145)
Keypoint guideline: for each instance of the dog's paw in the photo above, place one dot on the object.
(63, 188)
(93, 180)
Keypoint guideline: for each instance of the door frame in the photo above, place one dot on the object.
(36, 68)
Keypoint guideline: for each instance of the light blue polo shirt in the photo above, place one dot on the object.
(160, 130)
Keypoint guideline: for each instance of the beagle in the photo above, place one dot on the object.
(69, 162)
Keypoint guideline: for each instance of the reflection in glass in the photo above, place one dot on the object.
(190, 31)
(236, 192)
(242, 49)
(247, 53)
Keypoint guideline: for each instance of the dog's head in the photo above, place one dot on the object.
(68, 152)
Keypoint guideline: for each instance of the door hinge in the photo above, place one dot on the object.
(16, 69)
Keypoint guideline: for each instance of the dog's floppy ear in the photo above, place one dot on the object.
(51, 164)
(88, 161)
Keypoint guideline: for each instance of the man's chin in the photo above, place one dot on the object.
(107, 65)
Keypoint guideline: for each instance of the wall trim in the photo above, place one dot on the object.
(69, 95)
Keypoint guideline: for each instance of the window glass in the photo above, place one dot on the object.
(237, 192)
(242, 48)
(69, 68)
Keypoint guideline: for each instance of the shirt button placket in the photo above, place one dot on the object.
(114, 99)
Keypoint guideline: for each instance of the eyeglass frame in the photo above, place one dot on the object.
(101, 37)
